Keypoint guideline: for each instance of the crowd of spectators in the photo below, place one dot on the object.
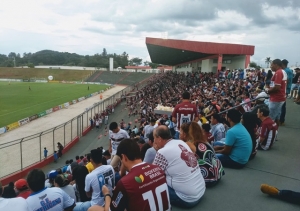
(219, 121)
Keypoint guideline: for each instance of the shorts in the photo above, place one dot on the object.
(275, 110)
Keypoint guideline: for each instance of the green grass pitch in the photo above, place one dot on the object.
(18, 102)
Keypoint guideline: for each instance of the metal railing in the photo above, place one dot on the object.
(244, 103)
(21, 153)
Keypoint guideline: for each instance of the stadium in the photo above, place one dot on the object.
(130, 98)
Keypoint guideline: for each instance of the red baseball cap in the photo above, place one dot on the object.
(21, 184)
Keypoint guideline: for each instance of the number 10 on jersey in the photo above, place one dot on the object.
(149, 195)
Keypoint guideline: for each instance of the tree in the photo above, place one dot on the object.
(12, 55)
(135, 61)
(146, 63)
(268, 61)
(153, 65)
(49, 57)
(253, 64)
(30, 65)
(104, 53)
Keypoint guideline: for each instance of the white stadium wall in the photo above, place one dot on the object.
(210, 65)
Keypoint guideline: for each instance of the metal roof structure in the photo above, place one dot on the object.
(174, 52)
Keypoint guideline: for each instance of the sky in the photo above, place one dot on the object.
(87, 26)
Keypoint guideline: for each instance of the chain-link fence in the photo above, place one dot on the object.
(21, 153)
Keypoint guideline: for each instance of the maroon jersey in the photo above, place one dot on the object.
(184, 112)
(143, 188)
(268, 131)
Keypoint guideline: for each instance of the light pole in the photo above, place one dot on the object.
(296, 64)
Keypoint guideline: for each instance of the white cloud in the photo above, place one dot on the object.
(86, 27)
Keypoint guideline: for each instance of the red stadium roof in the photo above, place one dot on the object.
(174, 52)
(148, 67)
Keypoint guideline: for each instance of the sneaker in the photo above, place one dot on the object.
(267, 189)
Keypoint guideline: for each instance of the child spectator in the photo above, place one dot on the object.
(45, 152)
(55, 155)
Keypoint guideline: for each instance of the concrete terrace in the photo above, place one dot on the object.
(239, 189)
(126, 78)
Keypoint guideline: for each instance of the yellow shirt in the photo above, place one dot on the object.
(204, 120)
(90, 167)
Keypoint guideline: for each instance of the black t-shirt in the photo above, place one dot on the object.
(295, 79)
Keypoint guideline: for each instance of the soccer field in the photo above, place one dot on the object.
(18, 102)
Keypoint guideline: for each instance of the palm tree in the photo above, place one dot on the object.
(268, 61)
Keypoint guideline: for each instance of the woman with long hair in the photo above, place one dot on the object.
(184, 136)
(249, 120)
(211, 167)
(79, 173)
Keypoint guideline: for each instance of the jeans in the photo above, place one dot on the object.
(176, 201)
(177, 135)
(82, 206)
(283, 112)
(289, 196)
(275, 110)
(220, 143)
(228, 162)
(294, 86)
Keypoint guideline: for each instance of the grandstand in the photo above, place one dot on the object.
(239, 189)
(126, 78)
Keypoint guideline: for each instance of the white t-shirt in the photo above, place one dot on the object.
(50, 199)
(69, 169)
(13, 204)
(182, 170)
(150, 155)
(116, 139)
(70, 191)
(148, 129)
(103, 175)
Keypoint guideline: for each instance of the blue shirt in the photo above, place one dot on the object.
(290, 76)
(45, 152)
(239, 139)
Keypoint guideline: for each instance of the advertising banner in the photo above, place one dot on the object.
(81, 99)
(42, 114)
(25, 80)
(11, 80)
(61, 106)
(2, 130)
(24, 121)
(66, 105)
(33, 117)
(49, 111)
(56, 108)
(12, 126)
(74, 101)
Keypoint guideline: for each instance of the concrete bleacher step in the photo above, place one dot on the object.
(96, 75)
(126, 78)
(120, 81)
